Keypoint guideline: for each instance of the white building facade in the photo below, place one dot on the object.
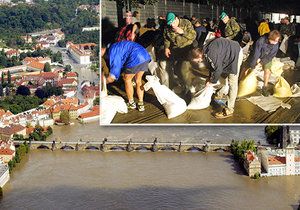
(294, 134)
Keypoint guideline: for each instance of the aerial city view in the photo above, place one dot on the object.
(153, 119)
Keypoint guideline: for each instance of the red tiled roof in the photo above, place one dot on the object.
(29, 130)
(66, 81)
(37, 59)
(6, 151)
(71, 74)
(94, 112)
(9, 130)
(250, 156)
(36, 65)
(49, 74)
(276, 160)
(11, 52)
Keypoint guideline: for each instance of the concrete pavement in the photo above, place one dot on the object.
(245, 111)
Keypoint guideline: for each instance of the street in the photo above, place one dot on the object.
(84, 72)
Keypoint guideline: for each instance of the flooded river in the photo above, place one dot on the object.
(143, 180)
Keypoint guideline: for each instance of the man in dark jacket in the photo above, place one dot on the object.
(201, 33)
(265, 50)
(224, 57)
(131, 59)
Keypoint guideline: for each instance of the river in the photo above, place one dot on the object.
(142, 180)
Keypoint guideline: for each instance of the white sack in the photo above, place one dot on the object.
(109, 106)
(284, 44)
(173, 104)
(202, 99)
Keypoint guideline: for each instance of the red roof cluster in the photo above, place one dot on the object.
(94, 112)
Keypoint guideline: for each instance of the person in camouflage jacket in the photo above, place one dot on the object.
(179, 36)
(232, 28)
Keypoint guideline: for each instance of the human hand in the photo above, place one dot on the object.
(167, 52)
(208, 84)
(258, 61)
(178, 30)
(109, 79)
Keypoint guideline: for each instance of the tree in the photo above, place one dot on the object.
(40, 93)
(65, 117)
(61, 43)
(47, 67)
(8, 78)
(68, 68)
(1, 90)
(23, 90)
(17, 157)
(273, 134)
(7, 91)
(2, 78)
(96, 101)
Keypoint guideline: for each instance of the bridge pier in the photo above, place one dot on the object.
(129, 148)
(180, 149)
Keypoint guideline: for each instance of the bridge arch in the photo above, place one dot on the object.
(195, 149)
(142, 148)
(117, 148)
(43, 147)
(92, 148)
(167, 148)
(220, 150)
(67, 147)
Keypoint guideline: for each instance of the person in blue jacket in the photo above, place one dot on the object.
(265, 50)
(132, 59)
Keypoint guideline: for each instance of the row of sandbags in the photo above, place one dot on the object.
(172, 103)
(249, 82)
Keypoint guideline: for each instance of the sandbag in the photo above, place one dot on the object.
(282, 88)
(202, 99)
(284, 44)
(276, 67)
(109, 106)
(173, 104)
(248, 84)
(103, 92)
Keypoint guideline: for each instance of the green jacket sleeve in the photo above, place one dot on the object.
(188, 36)
(166, 39)
(235, 29)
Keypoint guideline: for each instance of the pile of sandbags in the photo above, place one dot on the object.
(288, 63)
(173, 104)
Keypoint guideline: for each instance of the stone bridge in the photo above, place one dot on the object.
(129, 146)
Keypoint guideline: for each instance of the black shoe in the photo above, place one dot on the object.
(265, 91)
